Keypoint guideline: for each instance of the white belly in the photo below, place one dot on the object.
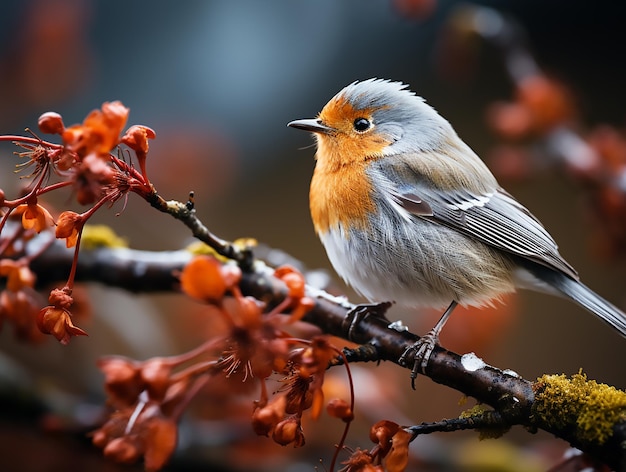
(418, 263)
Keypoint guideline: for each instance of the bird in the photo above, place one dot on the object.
(409, 213)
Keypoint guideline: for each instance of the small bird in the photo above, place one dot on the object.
(407, 212)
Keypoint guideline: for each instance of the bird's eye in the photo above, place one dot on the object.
(362, 124)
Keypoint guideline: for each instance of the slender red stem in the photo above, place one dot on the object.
(198, 351)
(26, 139)
(196, 369)
(55, 186)
(191, 393)
(346, 428)
(70, 278)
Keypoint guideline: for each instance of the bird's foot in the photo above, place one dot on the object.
(361, 312)
(419, 353)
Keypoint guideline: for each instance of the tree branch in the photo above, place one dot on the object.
(552, 403)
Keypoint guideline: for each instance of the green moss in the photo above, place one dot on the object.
(588, 407)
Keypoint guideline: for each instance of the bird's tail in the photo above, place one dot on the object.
(587, 298)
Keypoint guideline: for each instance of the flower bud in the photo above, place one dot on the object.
(339, 408)
(266, 417)
(100, 438)
(136, 138)
(288, 431)
(293, 279)
(202, 279)
(121, 382)
(61, 298)
(382, 432)
(155, 373)
(51, 123)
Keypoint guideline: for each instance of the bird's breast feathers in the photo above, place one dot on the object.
(341, 197)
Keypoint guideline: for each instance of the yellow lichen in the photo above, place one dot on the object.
(488, 422)
(95, 236)
(591, 408)
(475, 411)
(198, 248)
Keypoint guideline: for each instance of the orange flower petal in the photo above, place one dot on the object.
(18, 275)
(137, 136)
(34, 216)
(58, 322)
(99, 132)
(161, 437)
(69, 225)
(398, 457)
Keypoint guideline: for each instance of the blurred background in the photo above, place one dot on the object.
(218, 81)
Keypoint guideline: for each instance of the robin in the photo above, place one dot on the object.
(407, 212)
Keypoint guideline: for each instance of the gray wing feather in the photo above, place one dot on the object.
(495, 218)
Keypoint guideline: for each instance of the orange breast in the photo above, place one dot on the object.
(340, 196)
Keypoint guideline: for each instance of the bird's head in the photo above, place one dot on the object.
(372, 119)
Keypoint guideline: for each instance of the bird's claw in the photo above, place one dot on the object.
(419, 353)
(361, 312)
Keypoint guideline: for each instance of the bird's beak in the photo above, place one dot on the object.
(313, 125)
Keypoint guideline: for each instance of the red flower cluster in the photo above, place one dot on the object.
(543, 110)
(84, 163)
(19, 303)
(281, 415)
(56, 318)
(98, 134)
(390, 454)
(146, 399)
(540, 105)
(149, 397)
